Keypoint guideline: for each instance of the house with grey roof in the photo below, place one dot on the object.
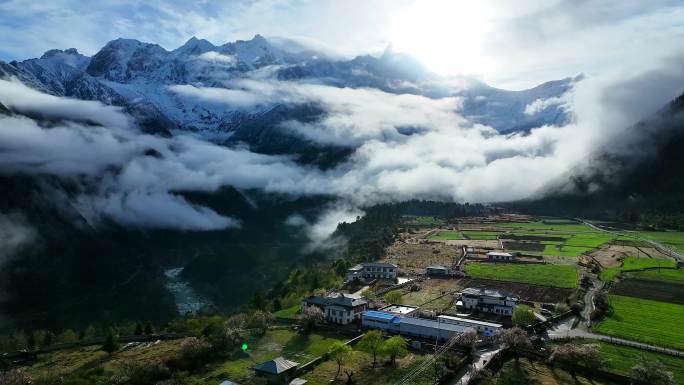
(486, 300)
(368, 271)
(277, 371)
(339, 308)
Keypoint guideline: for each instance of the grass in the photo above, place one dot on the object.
(549, 226)
(652, 322)
(672, 238)
(446, 235)
(429, 291)
(529, 372)
(609, 274)
(288, 313)
(539, 274)
(620, 360)
(363, 374)
(483, 235)
(634, 263)
(665, 275)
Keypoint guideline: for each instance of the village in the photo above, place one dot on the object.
(474, 302)
(481, 277)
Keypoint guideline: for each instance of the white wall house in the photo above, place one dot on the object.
(491, 301)
(367, 271)
(498, 256)
(338, 308)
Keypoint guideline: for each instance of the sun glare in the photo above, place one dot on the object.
(446, 35)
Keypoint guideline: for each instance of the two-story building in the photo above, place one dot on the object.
(491, 301)
(367, 271)
(339, 308)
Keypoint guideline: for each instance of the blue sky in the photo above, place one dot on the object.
(509, 44)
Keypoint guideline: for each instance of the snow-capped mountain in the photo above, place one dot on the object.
(143, 78)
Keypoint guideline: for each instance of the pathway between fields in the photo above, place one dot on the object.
(663, 248)
(564, 331)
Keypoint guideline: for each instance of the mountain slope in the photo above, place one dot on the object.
(138, 77)
(643, 183)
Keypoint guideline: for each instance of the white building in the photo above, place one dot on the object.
(498, 256)
(372, 270)
(491, 301)
(487, 328)
(411, 326)
(338, 308)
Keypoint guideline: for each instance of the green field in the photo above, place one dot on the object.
(653, 322)
(620, 360)
(288, 313)
(547, 275)
(445, 235)
(548, 226)
(483, 235)
(672, 238)
(577, 238)
(665, 275)
(634, 263)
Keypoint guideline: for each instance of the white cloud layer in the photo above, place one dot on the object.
(405, 147)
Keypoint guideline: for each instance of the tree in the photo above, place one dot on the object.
(394, 296)
(31, 343)
(149, 329)
(309, 317)
(394, 347)
(111, 343)
(68, 336)
(370, 343)
(138, 329)
(522, 315)
(587, 355)
(49, 338)
(340, 352)
(468, 339)
(515, 338)
(651, 372)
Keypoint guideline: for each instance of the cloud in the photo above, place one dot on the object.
(216, 57)
(321, 229)
(18, 97)
(404, 147)
(15, 234)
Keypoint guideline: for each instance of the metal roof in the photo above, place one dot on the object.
(379, 264)
(428, 323)
(378, 314)
(472, 321)
(276, 366)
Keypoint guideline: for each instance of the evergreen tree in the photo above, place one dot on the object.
(149, 329)
(111, 343)
(138, 329)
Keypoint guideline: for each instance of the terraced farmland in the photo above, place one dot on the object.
(661, 275)
(634, 263)
(445, 235)
(671, 238)
(637, 319)
(537, 274)
(471, 234)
